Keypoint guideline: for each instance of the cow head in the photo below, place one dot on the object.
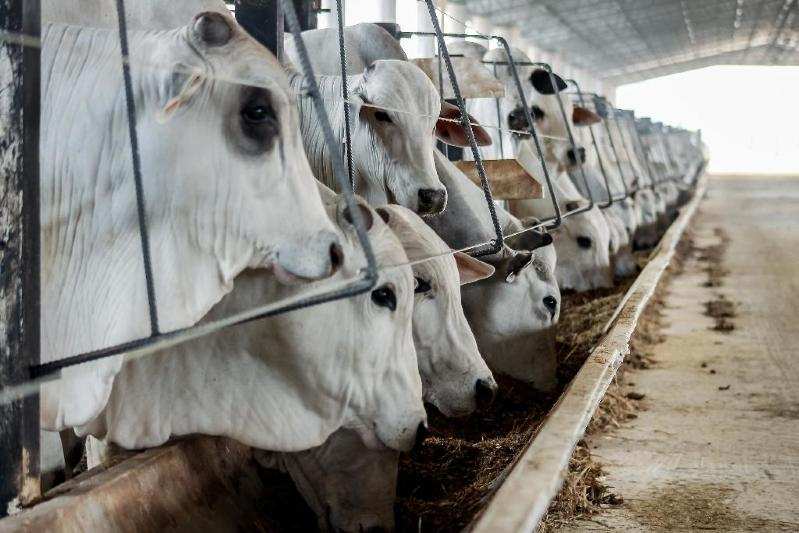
(513, 315)
(397, 109)
(583, 245)
(287, 382)
(454, 376)
(226, 104)
(226, 185)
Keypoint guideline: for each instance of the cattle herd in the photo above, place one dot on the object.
(243, 208)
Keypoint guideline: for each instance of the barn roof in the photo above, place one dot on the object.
(622, 41)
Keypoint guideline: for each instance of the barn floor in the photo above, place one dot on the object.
(717, 444)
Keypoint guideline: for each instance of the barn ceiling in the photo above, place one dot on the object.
(622, 41)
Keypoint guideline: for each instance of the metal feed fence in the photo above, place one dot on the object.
(23, 380)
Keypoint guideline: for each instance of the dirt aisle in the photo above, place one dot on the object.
(717, 446)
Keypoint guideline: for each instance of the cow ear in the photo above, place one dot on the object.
(516, 265)
(584, 117)
(471, 269)
(542, 82)
(184, 84)
(451, 131)
(212, 29)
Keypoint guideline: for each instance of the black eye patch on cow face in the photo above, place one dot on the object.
(542, 82)
(258, 121)
(584, 242)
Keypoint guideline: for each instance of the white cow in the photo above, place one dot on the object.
(366, 43)
(222, 161)
(583, 240)
(646, 200)
(589, 179)
(395, 115)
(454, 375)
(353, 487)
(513, 312)
(286, 383)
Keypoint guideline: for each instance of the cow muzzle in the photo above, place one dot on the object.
(431, 201)
(573, 156)
(517, 121)
(316, 258)
(485, 390)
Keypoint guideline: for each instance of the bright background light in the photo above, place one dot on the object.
(749, 116)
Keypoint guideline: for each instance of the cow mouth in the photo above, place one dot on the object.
(289, 278)
(286, 277)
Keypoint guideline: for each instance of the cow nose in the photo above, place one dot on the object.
(485, 391)
(517, 120)
(431, 201)
(336, 257)
(421, 434)
(573, 158)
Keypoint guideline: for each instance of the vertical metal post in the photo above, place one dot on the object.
(306, 12)
(606, 124)
(263, 19)
(19, 250)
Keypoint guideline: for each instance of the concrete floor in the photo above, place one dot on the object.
(717, 446)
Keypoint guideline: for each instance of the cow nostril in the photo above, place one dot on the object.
(336, 256)
(485, 391)
(421, 434)
(431, 201)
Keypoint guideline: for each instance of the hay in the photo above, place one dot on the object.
(446, 482)
(584, 492)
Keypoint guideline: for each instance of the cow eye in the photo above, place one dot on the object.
(257, 114)
(422, 286)
(384, 297)
(584, 242)
(551, 303)
(382, 116)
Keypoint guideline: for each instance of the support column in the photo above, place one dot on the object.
(19, 249)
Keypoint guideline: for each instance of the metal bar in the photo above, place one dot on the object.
(42, 373)
(19, 251)
(637, 148)
(638, 185)
(141, 204)
(570, 134)
(557, 220)
(611, 200)
(342, 50)
(644, 151)
(552, 222)
(443, 52)
(612, 143)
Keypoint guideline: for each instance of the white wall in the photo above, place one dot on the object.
(748, 115)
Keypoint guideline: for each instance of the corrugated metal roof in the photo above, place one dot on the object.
(621, 41)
